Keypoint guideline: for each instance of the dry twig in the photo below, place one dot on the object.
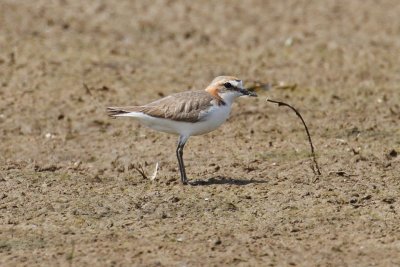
(315, 168)
(153, 177)
(139, 169)
(87, 89)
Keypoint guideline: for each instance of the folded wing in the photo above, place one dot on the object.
(190, 106)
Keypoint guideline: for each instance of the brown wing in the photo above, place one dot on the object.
(185, 106)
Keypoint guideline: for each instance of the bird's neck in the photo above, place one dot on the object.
(228, 97)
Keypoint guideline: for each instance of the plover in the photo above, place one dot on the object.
(188, 113)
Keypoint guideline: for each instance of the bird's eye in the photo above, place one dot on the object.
(228, 85)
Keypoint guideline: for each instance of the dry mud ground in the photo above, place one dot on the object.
(71, 197)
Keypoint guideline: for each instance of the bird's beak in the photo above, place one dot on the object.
(247, 92)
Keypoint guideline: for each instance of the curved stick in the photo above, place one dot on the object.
(316, 170)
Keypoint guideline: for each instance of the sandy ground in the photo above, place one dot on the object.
(70, 194)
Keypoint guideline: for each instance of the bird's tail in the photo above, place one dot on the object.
(120, 111)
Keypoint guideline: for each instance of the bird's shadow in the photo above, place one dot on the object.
(220, 180)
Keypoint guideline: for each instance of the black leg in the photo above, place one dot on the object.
(179, 155)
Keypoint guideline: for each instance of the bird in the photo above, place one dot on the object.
(188, 113)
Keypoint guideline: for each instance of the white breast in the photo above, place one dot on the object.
(216, 116)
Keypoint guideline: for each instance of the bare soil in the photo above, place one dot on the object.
(69, 191)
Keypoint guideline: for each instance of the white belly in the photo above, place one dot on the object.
(216, 116)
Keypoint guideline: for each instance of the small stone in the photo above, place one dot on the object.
(393, 153)
(218, 242)
(389, 200)
(175, 199)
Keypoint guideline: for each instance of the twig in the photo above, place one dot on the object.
(315, 168)
(139, 169)
(153, 177)
(87, 89)
(256, 85)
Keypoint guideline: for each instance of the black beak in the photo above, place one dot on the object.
(247, 92)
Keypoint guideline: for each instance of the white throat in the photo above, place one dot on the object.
(229, 97)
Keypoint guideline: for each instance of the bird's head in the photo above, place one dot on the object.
(227, 88)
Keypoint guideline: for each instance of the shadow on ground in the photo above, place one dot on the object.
(226, 180)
